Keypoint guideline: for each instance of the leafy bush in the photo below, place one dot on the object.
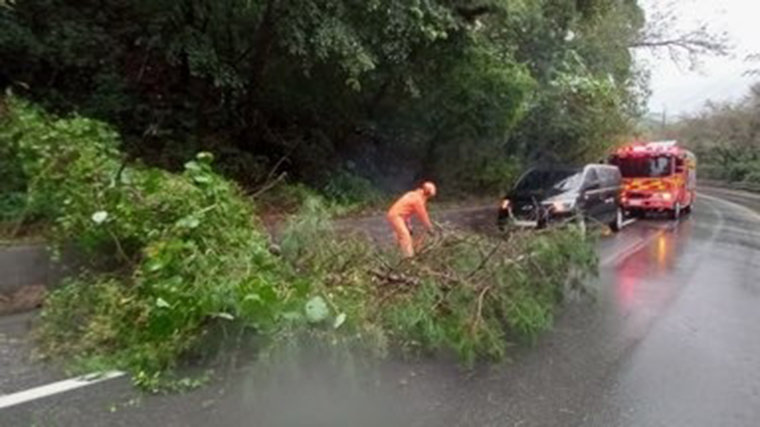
(12, 177)
(343, 194)
(710, 171)
(63, 162)
(346, 188)
(286, 198)
(741, 170)
(189, 248)
(12, 183)
(486, 175)
(737, 171)
(753, 177)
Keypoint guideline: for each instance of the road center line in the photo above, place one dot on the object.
(629, 250)
(8, 400)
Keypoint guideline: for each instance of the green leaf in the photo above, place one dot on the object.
(225, 316)
(190, 221)
(161, 303)
(99, 217)
(205, 157)
(292, 316)
(253, 297)
(316, 310)
(154, 265)
(339, 320)
(193, 166)
(202, 179)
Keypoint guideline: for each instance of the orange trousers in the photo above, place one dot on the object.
(402, 234)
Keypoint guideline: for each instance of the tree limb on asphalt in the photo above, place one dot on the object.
(479, 311)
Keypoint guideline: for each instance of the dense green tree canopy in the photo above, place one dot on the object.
(389, 88)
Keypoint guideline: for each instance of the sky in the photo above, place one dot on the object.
(679, 91)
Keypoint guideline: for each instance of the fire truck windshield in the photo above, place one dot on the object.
(644, 167)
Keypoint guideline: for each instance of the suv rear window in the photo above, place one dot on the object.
(544, 179)
(610, 176)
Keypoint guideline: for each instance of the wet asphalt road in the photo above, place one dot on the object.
(673, 339)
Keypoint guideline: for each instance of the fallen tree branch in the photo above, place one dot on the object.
(479, 311)
(395, 278)
(485, 259)
(269, 185)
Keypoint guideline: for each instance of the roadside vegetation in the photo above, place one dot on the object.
(178, 259)
(726, 139)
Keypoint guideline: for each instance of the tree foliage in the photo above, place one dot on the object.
(726, 137)
(189, 253)
(395, 88)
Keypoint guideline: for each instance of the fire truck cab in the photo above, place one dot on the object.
(657, 177)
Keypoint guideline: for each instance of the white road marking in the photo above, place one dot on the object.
(629, 250)
(8, 400)
(628, 222)
(632, 249)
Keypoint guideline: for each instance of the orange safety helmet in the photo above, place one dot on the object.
(429, 189)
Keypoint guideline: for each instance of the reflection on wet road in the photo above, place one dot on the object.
(697, 364)
(672, 340)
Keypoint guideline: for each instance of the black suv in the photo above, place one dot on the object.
(546, 194)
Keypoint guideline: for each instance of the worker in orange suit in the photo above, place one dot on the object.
(399, 215)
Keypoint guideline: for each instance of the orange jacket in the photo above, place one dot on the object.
(412, 203)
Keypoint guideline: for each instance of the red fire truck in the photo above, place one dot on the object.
(657, 176)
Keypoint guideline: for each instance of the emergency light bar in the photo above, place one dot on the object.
(649, 147)
(662, 145)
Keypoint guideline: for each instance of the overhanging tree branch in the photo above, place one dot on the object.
(664, 35)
